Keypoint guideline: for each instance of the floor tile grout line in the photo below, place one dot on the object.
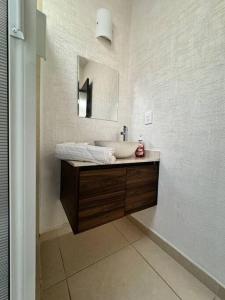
(140, 228)
(130, 243)
(65, 279)
(108, 255)
(69, 276)
(67, 284)
(52, 285)
(121, 234)
(56, 283)
(84, 268)
(60, 251)
(156, 272)
(97, 261)
(42, 288)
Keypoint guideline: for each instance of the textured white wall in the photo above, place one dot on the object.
(71, 32)
(177, 69)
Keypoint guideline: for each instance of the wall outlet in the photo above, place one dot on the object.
(148, 117)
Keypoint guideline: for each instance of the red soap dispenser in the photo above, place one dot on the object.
(140, 152)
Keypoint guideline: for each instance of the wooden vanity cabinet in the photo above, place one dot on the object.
(94, 195)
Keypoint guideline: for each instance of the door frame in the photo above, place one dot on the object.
(22, 153)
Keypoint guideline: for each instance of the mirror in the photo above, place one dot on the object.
(98, 90)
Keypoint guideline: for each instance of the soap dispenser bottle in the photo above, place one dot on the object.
(140, 151)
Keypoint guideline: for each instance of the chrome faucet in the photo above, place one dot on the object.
(124, 133)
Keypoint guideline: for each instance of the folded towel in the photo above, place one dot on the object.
(84, 152)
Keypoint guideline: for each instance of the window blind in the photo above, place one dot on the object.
(4, 185)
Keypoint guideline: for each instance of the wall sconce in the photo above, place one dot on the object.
(104, 24)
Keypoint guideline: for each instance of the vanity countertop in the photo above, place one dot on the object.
(150, 156)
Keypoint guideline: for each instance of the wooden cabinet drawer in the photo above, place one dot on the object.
(100, 220)
(142, 186)
(101, 197)
(103, 181)
(140, 201)
(100, 209)
(142, 174)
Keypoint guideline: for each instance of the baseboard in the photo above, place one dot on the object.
(55, 233)
(194, 269)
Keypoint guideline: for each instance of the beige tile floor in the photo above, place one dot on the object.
(115, 261)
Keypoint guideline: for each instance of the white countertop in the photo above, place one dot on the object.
(150, 156)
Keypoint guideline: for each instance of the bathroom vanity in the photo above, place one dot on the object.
(93, 194)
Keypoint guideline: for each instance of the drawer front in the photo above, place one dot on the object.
(100, 209)
(142, 174)
(101, 197)
(100, 220)
(142, 187)
(138, 202)
(100, 182)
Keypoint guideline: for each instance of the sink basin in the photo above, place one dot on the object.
(122, 149)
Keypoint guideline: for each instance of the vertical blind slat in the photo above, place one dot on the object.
(4, 210)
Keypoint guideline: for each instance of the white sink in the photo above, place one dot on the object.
(122, 149)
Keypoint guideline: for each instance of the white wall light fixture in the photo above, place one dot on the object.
(104, 24)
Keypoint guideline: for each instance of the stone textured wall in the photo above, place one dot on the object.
(71, 32)
(177, 69)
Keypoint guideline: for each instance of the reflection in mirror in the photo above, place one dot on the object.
(98, 90)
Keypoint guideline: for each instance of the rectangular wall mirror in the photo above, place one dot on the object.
(98, 90)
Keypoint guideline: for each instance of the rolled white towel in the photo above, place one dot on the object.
(84, 152)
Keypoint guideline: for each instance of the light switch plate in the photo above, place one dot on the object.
(148, 117)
